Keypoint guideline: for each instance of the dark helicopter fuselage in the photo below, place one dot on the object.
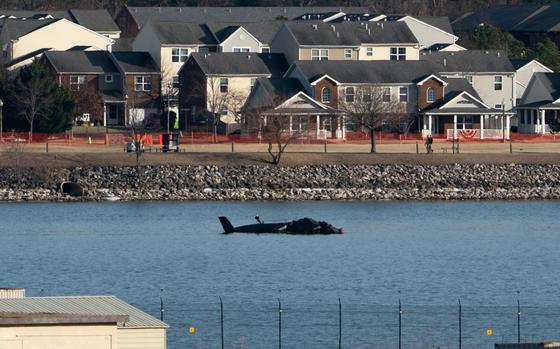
(304, 226)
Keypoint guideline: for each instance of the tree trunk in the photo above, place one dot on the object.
(31, 131)
(373, 145)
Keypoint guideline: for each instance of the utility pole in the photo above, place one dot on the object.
(161, 310)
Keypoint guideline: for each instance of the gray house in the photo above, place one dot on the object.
(540, 104)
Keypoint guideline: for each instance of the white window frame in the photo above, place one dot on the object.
(224, 85)
(351, 94)
(241, 49)
(323, 95)
(77, 81)
(498, 106)
(399, 53)
(498, 82)
(319, 54)
(401, 94)
(347, 53)
(387, 92)
(265, 50)
(142, 82)
(469, 78)
(430, 97)
(109, 78)
(179, 54)
(369, 51)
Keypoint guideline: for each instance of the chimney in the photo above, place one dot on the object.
(8, 293)
(338, 34)
(498, 53)
(315, 26)
(382, 25)
(369, 31)
(445, 62)
(249, 57)
(366, 25)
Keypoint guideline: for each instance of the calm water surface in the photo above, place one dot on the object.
(428, 254)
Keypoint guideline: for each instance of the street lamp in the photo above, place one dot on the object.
(1, 121)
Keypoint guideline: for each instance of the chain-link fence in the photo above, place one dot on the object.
(352, 325)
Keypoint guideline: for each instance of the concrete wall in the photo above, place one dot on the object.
(59, 337)
(60, 35)
(241, 38)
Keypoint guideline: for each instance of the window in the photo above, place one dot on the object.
(349, 94)
(469, 78)
(464, 122)
(143, 83)
(265, 50)
(241, 49)
(319, 54)
(175, 81)
(498, 106)
(403, 94)
(397, 53)
(203, 49)
(224, 85)
(431, 95)
(497, 83)
(77, 82)
(179, 54)
(386, 94)
(369, 51)
(326, 95)
(347, 53)
(366, 95)
(299, 123)
(109, 78)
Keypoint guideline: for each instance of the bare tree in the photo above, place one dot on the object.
(222, 101)
(371, 108)
(88, 100)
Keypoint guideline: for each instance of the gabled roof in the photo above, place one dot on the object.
(98, 20)
(476, 61)
(457, 87)
(230, 14)
(83, 305)
(94, 62)
(135, 62)
(310, 33)
(440, 22)
(521, 63)
(262, 31)
(543, 89)
(301, 104)
(180, 33)
(504, 17)
(546, 19)
(368, 72)
(248, 64)
(282, 87)
(18, 27)
(38, 14)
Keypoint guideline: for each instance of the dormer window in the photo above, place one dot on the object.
(369, 51)
(326, 95)
(319, 54)
(397, 53)
(347, 53)
(241, 49)
(431, 95)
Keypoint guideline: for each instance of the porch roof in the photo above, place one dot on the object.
(540, 105)
(465, 111)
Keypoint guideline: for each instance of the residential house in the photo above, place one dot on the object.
(132, 19)
(524, 71)
(214, 84)
(126, 83)
(490, 72)
(88, 322)
(170, 44)
(246, 37)
(540, 104)
(305, 40)
(432, 31)
(23, 40)
(98, 20)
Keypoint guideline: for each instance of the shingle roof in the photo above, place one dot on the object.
(368, 71)
(481, 61)
(273, 64)
(229, 14)
(543, 88)
(455, 86)
(440, 22)
(82, 305)
(96, 20)
(504, 17)
(181, 33)
(19, 27)
(546, 19)
(135, 62)
(263, 31)
(350, 33)
(81, 61)
(283, 87)
(45, 14)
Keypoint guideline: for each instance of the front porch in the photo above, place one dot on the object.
(467, 126)
(537, 120)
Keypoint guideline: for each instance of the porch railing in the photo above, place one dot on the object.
(475, 134)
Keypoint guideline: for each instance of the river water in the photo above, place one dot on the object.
(427, 254)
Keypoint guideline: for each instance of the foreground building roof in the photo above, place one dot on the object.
(481, 61)
(228, 63)
(80, 307)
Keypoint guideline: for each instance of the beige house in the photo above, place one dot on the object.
(346, 41)
(23, 40)
(171, 44)
(89, 322)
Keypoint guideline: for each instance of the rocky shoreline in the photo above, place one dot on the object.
(326, 182)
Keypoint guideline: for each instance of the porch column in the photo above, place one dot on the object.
(343, 127)
(291, 124)
(338, 128)
(318, 124)
(430, 123)
(424, 122)
(508, 120)
(105, 114)
(482, 126)
(543, 121)
(454, 126)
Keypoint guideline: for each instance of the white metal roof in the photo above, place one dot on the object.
(84, 305)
